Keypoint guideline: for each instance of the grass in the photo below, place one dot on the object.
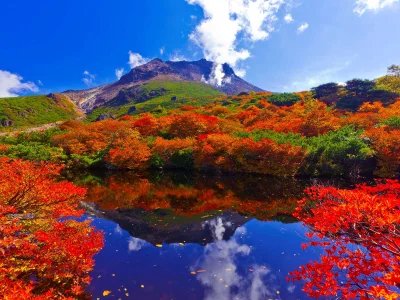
(30, 111)
(187, 93)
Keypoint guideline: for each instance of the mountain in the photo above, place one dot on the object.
(174, 229)
(130, 86)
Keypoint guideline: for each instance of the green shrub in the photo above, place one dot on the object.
(35, 152)
(183, 159)
(156, 161)
(334, 153)
(284, 99)
(393, 122)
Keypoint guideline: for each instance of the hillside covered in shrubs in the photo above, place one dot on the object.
(333, 130)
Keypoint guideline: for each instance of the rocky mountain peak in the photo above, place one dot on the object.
(195, 71)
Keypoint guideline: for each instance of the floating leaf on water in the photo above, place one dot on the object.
(182, 244)
(106, 293)
(193, 273)
(201, 271)
(159, 245)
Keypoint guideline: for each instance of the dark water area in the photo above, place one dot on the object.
(196, 236)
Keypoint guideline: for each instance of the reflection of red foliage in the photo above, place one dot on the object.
(42, 254)
(185, 201)
(360, 234)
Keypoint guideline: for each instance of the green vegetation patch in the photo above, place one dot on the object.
(177, 94)
(35, 110)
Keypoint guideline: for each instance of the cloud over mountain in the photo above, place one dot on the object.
(227, 23)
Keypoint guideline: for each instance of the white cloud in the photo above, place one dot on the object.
(136, 60)
(162, 50)
(303, 27)
(135, 244)
(11, 85)
(119, 73)
(88, 78)
(223, 280)
(227, 21)
(118, 230)
(288, 18)
(40, 82)
(240, 72)
(193, 17)
(177, 56)
(374, 5)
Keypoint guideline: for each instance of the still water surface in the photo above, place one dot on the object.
(196, 236)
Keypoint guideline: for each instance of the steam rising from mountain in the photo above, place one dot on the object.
(229, 22)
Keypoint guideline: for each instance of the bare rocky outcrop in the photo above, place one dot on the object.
(7, 123)
(106, 116)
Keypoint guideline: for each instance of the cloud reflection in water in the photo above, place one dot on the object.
(222, 279)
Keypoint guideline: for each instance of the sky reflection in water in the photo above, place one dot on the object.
(212, 254)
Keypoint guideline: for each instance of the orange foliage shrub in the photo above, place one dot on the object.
(126, 118)
(267, 157)
(309, 119)
(213, 152)
(71, 124)
(192, 125)
(221, 151)
(3, 148)
(147, 125)
(387, 145)
(187, 108)
(129, 153)
(219, 110)
(318, 120)
(94, 137)
(166, 148)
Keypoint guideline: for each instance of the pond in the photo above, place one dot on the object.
(196, 236)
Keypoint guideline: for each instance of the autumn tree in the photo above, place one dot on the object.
(44, 253)
(386, 142)
(359, 233)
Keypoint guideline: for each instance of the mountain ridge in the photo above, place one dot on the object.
(129, 84)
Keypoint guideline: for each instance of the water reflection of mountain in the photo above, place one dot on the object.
(162, 227)
(175, 207)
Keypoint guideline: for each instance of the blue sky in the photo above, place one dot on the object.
(48, 45)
